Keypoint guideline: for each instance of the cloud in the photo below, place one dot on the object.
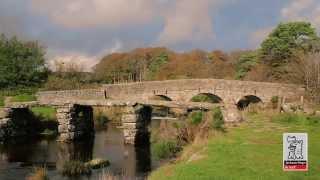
(259, 35)
(83, 61)
(302, 10)
(92, 13)
(189, 20)
(296, 10)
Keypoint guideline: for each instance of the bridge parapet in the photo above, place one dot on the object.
(230, 91)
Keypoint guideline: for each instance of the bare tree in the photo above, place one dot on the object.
(312, 76)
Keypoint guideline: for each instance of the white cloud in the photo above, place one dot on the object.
(189, 20)
(184, 20)
(92, 13)
(303, 10)
(82, 61)
(296, 10)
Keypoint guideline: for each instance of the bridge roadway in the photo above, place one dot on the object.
(110, 103)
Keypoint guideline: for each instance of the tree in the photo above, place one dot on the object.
(246, 62)
(21, 63)
(285, 40)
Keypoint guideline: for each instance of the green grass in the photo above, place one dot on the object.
(23, 98)
(18, 94)
(47, 113)
(252, 151)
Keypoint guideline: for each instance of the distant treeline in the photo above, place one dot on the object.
(289, 54)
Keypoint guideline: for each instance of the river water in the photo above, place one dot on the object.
(18, 159)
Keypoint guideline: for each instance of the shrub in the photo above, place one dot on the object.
(245, 64)
(274, 101)
(75, 168)
(164, 149)
(38, 174)
(195, 118)
(217, 119)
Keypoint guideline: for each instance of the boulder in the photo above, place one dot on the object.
(97, 163)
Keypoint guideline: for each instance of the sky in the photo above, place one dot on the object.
(83, 31)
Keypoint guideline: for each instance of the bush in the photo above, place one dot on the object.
(164, 149)
(274, 101)
(217, 120)
(38, 174)
(75, 168)
(195, 118)
(245, 64)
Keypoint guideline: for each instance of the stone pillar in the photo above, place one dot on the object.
(135, 121)
(75, 121)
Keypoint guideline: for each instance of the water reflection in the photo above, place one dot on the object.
(18, 158)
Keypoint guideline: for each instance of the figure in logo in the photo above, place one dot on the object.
(295, 148)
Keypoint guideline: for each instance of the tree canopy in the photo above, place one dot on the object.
(285, 40)
(22, 64)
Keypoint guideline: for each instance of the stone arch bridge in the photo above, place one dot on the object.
(74, 107)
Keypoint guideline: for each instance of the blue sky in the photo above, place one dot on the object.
(83, 31)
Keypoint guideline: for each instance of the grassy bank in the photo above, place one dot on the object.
(18, 95)
(248, 152)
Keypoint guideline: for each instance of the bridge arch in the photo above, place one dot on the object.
(245, 101)
(160, 98)
(206, 97)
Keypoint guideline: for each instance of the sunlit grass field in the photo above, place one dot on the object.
(252, 151)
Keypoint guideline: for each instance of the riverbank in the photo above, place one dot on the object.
(248, 152)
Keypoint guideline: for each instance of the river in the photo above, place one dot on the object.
(18, 159)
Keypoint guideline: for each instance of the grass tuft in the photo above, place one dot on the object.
(164, 149)
(217, 120)
(75, 168)
(38, 174)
